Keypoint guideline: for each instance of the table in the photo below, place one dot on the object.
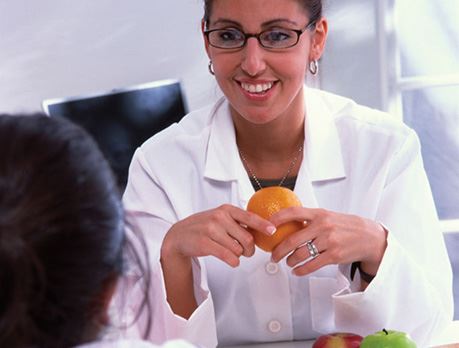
(449, 339)
(289, 344)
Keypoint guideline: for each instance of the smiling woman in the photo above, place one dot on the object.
(357, 172)
(280, 40)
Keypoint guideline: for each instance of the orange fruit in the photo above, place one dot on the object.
(266, 202)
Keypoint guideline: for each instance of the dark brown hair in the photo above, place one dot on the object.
(61, 232)
(312, 7)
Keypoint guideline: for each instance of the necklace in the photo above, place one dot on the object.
(290, 167)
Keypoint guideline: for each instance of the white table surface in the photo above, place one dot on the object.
(289, 344)
(449, 337)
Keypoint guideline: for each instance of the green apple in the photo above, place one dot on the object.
(388, 339)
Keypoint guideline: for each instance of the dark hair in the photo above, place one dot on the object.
(312, 7)
(61, 232)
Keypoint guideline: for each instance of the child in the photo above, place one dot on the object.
(62, 237)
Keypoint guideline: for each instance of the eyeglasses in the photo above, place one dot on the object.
(276, 38)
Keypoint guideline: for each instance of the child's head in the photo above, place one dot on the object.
(61, 233)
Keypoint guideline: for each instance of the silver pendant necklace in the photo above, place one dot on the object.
(290, 167)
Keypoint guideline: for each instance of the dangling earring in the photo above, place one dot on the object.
(314, 67)
(211, 70)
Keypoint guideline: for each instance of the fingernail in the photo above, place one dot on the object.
(272, 259)
(271, 229)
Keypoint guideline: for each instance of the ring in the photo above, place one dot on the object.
(313, 251)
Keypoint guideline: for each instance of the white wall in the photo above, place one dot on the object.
(351, 65)
(53, 49)
(62, 48)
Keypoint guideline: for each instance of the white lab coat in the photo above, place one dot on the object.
(356, 161)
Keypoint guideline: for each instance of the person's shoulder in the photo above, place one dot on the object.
(135, 343)
(179, 147)
(350, 115)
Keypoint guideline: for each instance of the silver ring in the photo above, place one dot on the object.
(313, 251)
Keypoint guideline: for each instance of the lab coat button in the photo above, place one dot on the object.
(272, 268)
(274, 326)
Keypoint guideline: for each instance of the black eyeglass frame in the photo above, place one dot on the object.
(257, 36)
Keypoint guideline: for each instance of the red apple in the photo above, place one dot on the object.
(338, 340)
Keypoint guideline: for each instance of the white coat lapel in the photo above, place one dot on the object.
(222, 160)
(304, 189)
(322, 156)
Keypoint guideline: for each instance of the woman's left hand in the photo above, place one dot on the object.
(339, 238)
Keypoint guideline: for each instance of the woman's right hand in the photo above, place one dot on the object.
(220, 232)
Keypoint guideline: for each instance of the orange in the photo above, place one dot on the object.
(266, 202)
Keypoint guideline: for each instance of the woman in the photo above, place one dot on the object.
(358, 173)
(62, 241)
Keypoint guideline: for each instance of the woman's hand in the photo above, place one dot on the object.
(339, 238)
(220, 232)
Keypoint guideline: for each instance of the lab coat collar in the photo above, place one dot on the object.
(322, 156)
(222, 161)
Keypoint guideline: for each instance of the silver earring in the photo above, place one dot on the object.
(211, 69)
(314, 67)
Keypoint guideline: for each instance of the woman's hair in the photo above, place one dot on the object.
(312, 7)
(62, 240)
